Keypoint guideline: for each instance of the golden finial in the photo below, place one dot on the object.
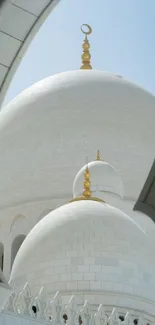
(98, 157)
(86, 55)
(86, 189)
(86, 194)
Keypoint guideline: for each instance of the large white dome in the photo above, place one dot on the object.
(47, 131)
(84, 247)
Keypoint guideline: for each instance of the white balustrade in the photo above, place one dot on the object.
(39, 310)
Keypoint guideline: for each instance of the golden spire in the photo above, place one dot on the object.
(86, 194)
(86, 189)
(86, 55)
(98, 157)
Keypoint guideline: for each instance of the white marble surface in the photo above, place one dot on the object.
(87, 248)
(47, 132)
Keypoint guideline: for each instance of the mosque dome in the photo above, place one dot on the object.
(55, 123)
(105, 181)
(86, 247)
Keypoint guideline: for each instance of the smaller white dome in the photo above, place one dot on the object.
(104, 180)
(88, 249)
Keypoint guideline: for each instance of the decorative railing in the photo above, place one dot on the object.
(45, 311)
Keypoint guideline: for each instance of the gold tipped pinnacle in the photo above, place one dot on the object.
(86, 189)
(86, 46)
(86, 194)
(98, 157)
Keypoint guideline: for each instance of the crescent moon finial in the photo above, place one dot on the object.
(89, 31)
(86, 54)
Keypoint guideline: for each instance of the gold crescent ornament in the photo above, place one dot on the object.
(86, 54)
(86, 32)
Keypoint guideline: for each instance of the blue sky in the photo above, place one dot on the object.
(122, 42)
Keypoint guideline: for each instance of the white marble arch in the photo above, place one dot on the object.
(14, 41)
